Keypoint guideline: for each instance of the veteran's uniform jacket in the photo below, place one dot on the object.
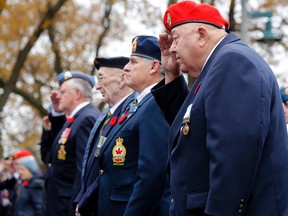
(87, 198)
(133, 162)
(228, 142)
(64, 170)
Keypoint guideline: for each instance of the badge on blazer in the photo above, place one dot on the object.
(63, 139)
(62, 153)
(64, 136)
(186, 120)
(119, 152)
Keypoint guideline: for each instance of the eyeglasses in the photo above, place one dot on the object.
(100, 77)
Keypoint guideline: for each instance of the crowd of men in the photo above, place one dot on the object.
(160, 148)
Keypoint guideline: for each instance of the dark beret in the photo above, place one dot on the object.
(146, 47)
(62, 77)
(113, 62)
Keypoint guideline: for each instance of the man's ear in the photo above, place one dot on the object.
(154, 66)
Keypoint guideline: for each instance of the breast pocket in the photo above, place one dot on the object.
(197, 200)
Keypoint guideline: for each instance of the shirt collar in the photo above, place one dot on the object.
(77, 108)
(145, 92)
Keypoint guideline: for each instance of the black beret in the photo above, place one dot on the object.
(112, 62)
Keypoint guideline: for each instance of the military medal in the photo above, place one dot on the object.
(63, 139)
(186, 120)
(100, 143)
(185, 128)
(64, 136)
(118, 153)
(62, 153)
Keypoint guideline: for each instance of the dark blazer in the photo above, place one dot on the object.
(64, 175)
(88, 196)
(133, 164)
(234, 159)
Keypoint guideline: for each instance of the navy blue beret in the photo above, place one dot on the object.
(113, 62)
(147, 47)
(284, 95)
(62, 77)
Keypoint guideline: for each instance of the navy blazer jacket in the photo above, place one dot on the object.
(133, 163)
(64, 176)
(234, 159)
(87, 198)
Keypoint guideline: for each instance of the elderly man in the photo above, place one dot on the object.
(133, 158)
(228, 141)
(115, 92)
(66, 153)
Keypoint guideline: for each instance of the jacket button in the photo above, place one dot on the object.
(101, 172)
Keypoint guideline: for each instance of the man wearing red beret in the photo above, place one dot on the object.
(228, 138)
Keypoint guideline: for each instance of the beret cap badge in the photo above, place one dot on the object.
(134, 44)
(169, 21)
(67, 75)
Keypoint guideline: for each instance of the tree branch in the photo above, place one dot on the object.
(44, 23)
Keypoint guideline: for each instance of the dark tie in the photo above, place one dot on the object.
(105, 126)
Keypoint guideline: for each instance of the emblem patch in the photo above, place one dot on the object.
(67, 75)
(119, 153)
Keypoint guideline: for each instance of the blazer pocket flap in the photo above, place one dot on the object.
(121, 194)
(197, 200)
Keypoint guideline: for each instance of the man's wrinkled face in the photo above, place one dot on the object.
(108, 81)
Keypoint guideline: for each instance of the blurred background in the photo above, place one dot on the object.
(41, 38)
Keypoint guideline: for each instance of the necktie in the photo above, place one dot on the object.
(105, 126)
(102, 135)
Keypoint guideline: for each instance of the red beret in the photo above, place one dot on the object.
(191, 12)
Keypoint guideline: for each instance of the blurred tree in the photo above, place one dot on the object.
(40, 39)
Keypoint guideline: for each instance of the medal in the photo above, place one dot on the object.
(185, 129)
(64, 136)
(101, 141)
(186, 121)
(62, 153)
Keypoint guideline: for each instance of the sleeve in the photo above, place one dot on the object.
(45, 145)
(88, 203)
(170, 97)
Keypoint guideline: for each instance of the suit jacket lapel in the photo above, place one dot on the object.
(176, 125)
(120, 125)
(92, 138)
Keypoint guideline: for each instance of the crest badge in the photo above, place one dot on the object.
(169, 20)
(134, 44)
(119, 152)
(67, 75)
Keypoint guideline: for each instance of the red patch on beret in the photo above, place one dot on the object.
(191, 12)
